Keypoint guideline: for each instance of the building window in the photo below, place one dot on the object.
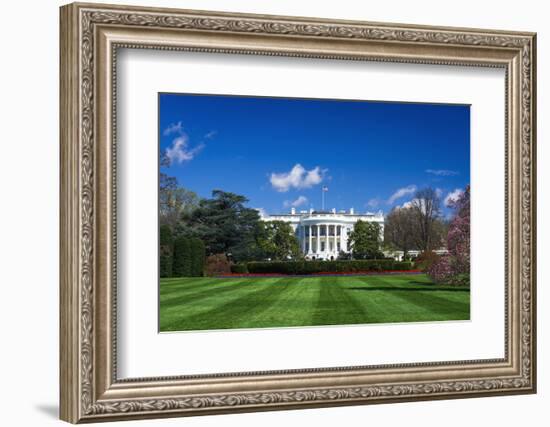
(322, 246)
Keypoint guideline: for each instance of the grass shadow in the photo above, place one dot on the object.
(389, 289)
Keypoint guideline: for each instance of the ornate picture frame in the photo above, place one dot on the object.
(90, 37)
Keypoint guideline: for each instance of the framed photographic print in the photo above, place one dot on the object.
(264, 212)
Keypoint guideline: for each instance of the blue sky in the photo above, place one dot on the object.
(280, 152)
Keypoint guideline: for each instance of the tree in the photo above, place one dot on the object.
(165, 251)
(400, 229)
(198, 255)
(364, 240)
(277, 241)
(223, 222)
(454, 267)
(426, 206)
(174, 200)
(189, 257)
(458, 238)
(181, 266)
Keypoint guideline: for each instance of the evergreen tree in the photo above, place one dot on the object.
(198, 255)
(223, 223)
(181, 266)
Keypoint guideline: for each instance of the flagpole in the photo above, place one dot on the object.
(324, 189)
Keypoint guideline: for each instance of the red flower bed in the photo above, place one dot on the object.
(328, 273)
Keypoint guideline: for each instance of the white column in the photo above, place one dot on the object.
(327, 238)
(335, 248)
(303, 239)
(318, 244)
(310, 249)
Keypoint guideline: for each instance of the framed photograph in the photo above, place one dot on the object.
(266, 212)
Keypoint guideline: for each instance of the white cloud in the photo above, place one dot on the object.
(298, 178)
(421, 203)
(373, 203)
(173, 128)
(402, 192)
(416, 203)
(301, 200)
(211, 134)
(441, 172)
(180, 152)
(453, 196)
(263, 213)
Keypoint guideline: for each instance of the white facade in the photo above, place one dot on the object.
(398, 255)
(323, 235)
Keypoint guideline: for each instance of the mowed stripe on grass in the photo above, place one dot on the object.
(228, 303)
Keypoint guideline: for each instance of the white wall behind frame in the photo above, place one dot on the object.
(29, 136)
(145, 353)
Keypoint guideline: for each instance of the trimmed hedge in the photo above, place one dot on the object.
(181, 265)
(239, 269)
(313, 267)
(198, 257)
(188, 258)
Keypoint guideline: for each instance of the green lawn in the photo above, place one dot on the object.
(215, 303)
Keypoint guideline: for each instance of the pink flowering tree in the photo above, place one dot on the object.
(455, 267)
(458, 238)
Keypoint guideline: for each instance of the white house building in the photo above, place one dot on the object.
(323, 234)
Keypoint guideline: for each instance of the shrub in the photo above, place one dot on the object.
(198, 255)
(165, 251)
(462, 279)
(217, 265)
(188, 257)
(239, 269)
(339, 266)
(425, 260)
(181, 266)
(445, 271)
(440, 270)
